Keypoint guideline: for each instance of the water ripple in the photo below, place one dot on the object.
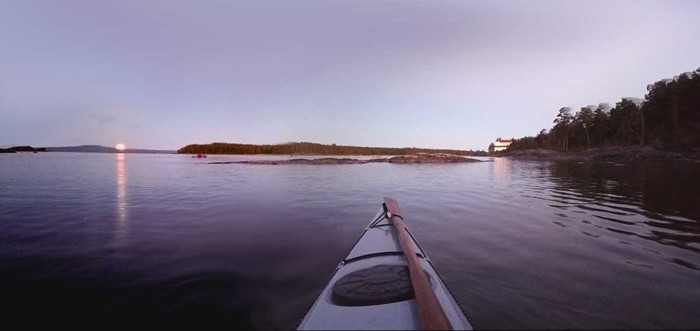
(522, 244)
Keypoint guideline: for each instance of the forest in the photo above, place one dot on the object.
(313, 148)
(667, 118)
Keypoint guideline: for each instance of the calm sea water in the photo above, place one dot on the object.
(170, 238)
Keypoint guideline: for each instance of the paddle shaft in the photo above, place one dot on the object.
(430, 313)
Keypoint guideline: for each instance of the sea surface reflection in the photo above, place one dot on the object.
(521, 244)
(122, 213)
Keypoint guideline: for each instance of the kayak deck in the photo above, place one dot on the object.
(379, 246)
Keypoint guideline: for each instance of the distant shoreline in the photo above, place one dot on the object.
(84, 149)
(104, 149)
(617, 153)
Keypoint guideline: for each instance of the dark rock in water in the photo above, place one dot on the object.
(430, 158)
(328, 160)
(417, 158)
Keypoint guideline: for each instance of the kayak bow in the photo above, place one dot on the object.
(385, 282)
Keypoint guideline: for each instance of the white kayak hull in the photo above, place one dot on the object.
(378, 246)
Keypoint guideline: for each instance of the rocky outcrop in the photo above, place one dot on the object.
(328, 160)
(417, 158)
(430, 158)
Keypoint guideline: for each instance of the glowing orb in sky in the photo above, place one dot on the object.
(120, 147)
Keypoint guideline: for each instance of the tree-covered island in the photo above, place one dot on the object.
(22, 149)
(307, 148)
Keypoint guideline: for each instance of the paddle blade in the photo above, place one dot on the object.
(392, 205)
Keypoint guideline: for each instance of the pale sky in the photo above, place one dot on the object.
(435, 74)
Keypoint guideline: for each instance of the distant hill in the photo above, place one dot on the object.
(104, 149)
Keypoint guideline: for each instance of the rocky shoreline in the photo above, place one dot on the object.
(619, 154)
(637, 153)
(414, 158)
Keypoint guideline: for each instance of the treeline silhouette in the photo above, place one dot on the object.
(667, 118)
(312, 148)
(22, 149)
